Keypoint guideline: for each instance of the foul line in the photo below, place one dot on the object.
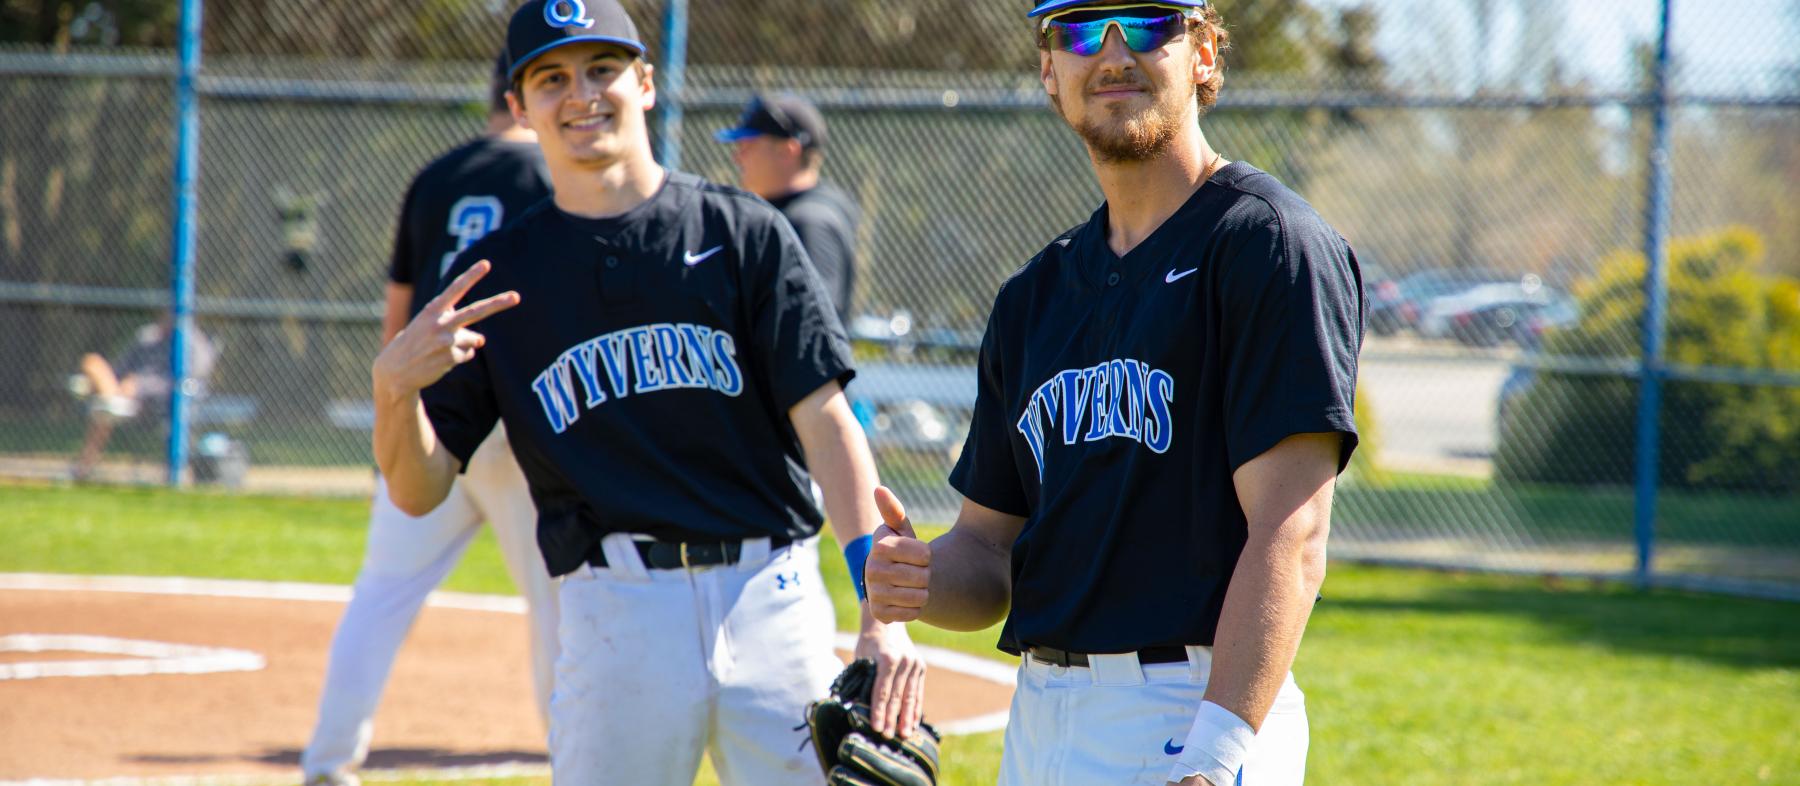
(936, 657)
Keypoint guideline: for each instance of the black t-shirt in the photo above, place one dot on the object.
(1117, 397)
(826, 219)
(455, 201)
(646, 375)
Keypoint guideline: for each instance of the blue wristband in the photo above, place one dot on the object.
(856, 555)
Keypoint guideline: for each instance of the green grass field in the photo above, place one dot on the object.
(1571, 514)
(1412, 677)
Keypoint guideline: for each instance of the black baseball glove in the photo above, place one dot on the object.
(852, 753)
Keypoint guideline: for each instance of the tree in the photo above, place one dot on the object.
(1722, 313)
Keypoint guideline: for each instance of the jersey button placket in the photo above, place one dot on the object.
(1112, 279)
(615, 276)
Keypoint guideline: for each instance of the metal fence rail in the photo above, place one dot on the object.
(1591, 152)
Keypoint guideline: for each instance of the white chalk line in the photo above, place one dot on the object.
(462, 773)
(142, 657)
(992, 671)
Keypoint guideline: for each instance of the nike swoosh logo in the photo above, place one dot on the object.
(1173, 276)
(693, 259)
(1170, 747)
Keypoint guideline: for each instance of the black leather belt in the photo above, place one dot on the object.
(664, 555)
(1147, 655)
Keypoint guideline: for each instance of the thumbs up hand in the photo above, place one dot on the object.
(898, 573)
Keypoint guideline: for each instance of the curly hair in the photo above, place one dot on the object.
(1210, 23)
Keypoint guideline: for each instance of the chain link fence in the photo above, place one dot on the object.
(1488, 159)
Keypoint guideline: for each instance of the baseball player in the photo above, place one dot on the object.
(779, 146)
(453, 202)
(1164, 403)
(668, 369)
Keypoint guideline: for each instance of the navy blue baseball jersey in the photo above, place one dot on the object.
(646, 375)
(1118, 395)
(456, 200)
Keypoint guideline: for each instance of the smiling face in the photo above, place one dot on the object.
(1128, 106)
(587, 102)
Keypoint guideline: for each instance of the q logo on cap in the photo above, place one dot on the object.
(566, 13)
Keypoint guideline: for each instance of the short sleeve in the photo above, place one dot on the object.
(987, 472)
(461, 406)
(400, 267)
(1294, 324)
(829, 247)
(799, 341)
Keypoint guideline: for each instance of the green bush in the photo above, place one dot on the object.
(1365, 464)
(1568, 428)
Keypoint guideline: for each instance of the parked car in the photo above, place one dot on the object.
(1398, 307)
(1488, 314)
(1379, 288)
(1521, 322)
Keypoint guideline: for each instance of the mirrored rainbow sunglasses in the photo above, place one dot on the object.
(1144, 26)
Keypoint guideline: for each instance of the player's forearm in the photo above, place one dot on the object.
(837, 455)
(415, 465)
(1266, 608)
(971, 582)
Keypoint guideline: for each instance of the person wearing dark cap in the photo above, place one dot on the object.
(1165, 398)
(670, 374)
(454, 201)
(779, 148)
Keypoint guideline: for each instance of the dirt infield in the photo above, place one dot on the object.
(460, 694)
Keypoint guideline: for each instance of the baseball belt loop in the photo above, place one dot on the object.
(1116, 670)
(1199, 664)
(684, 555)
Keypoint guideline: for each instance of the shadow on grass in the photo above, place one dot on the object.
(1735, 632)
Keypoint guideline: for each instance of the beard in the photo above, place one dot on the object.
(1118, 136)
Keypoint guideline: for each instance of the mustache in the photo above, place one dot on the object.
(1128, 79)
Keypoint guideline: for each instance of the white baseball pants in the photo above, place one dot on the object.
(1119, 722)
(658, 666)
(405, 559)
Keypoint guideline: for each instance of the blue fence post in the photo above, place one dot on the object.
(1656, 305)
(187, 166)
(672, 75)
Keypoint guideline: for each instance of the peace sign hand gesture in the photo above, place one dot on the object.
(438, 338)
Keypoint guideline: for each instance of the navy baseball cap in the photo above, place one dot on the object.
(1053, 6)
(542, 25)
(787, 116)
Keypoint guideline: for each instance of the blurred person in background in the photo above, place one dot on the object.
(138, 381)
(779, 148)
(453, 202)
